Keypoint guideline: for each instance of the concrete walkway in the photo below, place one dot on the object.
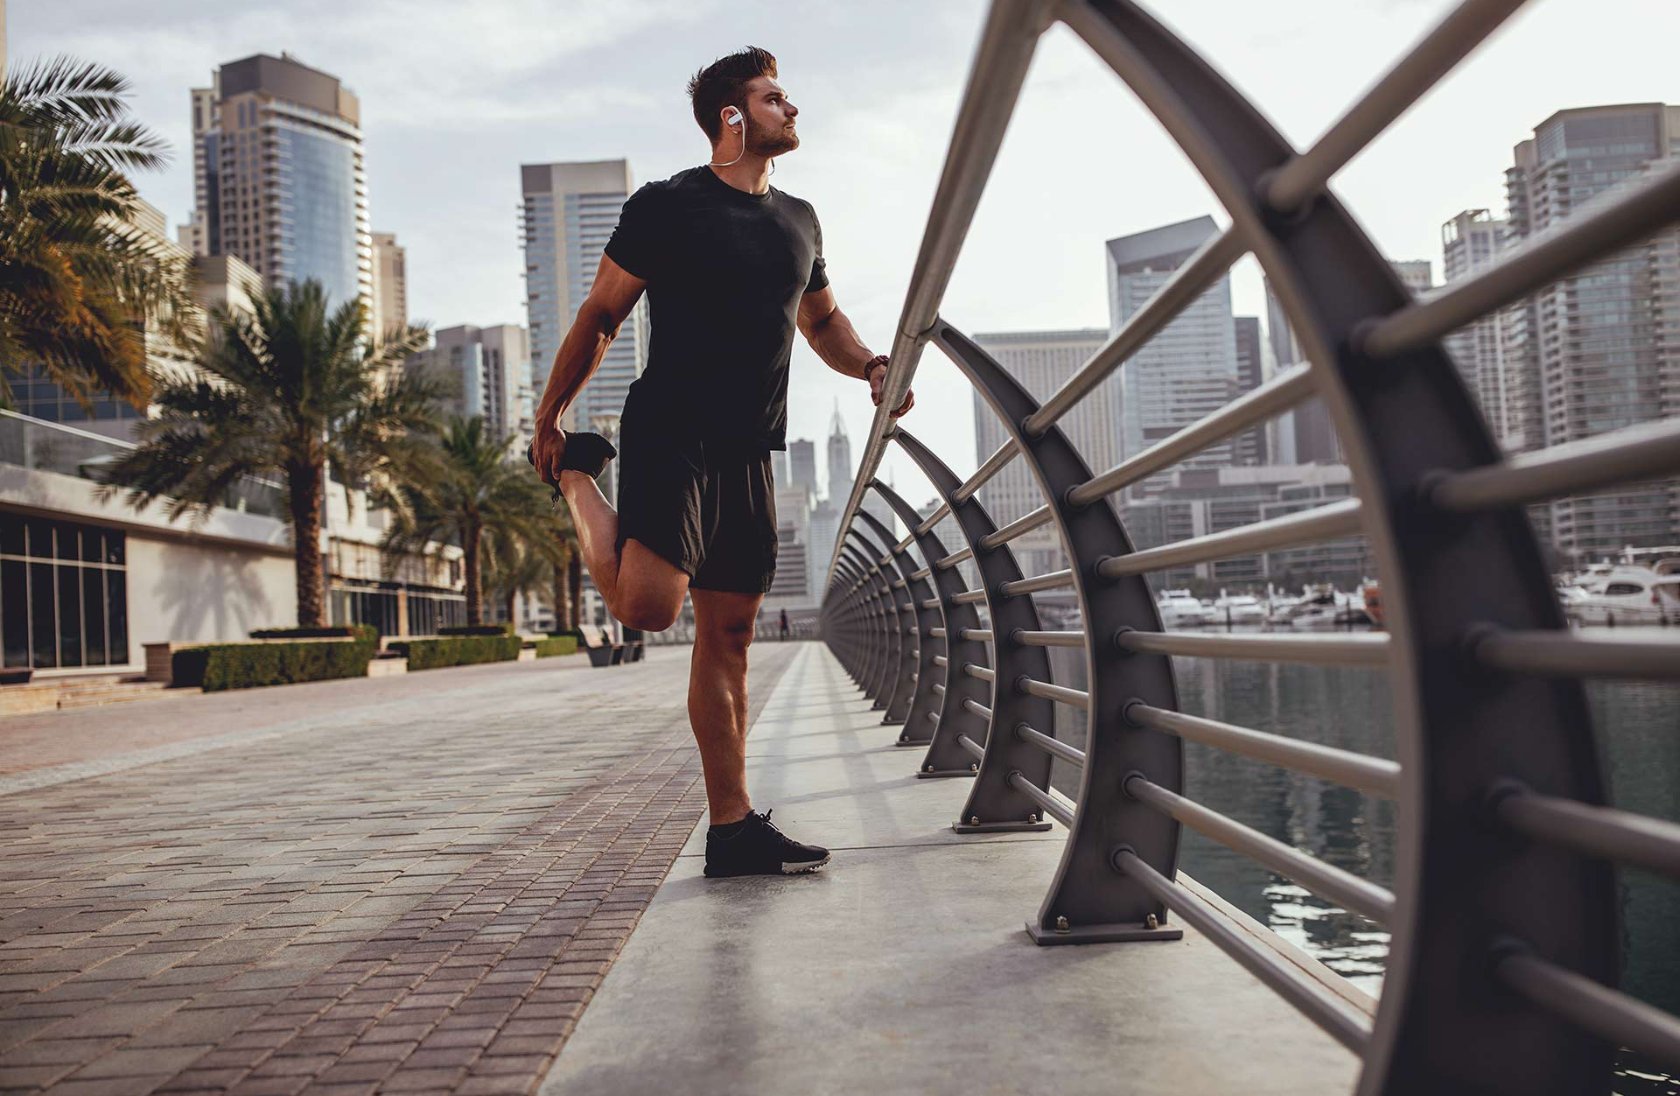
(903, 967)
(396, 884)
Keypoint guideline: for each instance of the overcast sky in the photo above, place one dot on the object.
(456, 96)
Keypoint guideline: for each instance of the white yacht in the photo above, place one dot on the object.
(1180, 609)
(1236, 609)
(1624, 593)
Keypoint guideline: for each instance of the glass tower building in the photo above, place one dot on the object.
(279, 178)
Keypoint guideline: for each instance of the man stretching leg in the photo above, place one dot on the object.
(730, 266)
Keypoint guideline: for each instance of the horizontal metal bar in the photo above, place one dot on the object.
(971, 746)
(1022, 525)
(1620, 1020)
(933, 716)
(936, 632)
(899, 584)
(1048, 639)
(904, 607)
(1352, 770)
(1341, 887)
(979, 673)
(1360, 649)
(1055, 580)
(1061, 694)
(955, 558)
(1628, 455)
(1619, 836)
(1053, 807)
(923, 573)
(1187, 283)
(1283, 391)
(982, 635)
(938, 515)
(904, 545)
(979, 709)
(1050, 745)
(930, 603)
(969, 597)
(1338, 519)
(941, 660)
(1601, 228)
(1435, 55)
(1648, 653)
(938, 688)
(989, 467)
(1311, 998)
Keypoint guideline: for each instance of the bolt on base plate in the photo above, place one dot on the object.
(1100, 934)
(999, 827)
(940, 773)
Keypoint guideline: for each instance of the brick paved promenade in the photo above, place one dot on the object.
(400, 884)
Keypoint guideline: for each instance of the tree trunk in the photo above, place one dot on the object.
(471, 544)
(512, 595)
(562, 596)
(574, 581)
(306, 484)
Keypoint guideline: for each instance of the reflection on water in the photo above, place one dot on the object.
(1639, 732)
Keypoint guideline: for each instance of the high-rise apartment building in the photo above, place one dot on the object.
(1509, 397)
(1043, 361)
(278, 176)
(390, 283)
(569, 212)
(1251, 447)
(1189, 369)
(802, 461)
(483, 371)
(1603, 343)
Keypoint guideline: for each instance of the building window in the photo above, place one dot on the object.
(63, 594)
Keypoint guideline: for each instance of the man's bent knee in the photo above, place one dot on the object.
(648, 614)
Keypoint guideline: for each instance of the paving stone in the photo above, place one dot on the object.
(346, 892)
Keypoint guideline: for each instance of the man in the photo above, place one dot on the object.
(731, 267)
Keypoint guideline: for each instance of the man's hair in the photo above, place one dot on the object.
(720, 84)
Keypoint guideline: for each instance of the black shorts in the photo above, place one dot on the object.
(706, 508)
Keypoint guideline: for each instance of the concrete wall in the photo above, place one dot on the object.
(183, 592)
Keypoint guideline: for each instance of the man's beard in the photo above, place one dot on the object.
(762, 141)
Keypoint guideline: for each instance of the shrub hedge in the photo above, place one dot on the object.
(337, 631)
(477, 630)
(557, 645)
(431, 654)
(220, 666)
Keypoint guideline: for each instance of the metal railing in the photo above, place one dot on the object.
(1503, 917)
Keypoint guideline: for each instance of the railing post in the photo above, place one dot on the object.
(926, 702)
(912, 610)
(1091, 901)
(994, 803)
(875, 654)
(894, 647)
(844, 625)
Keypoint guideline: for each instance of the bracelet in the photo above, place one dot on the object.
(869, 367)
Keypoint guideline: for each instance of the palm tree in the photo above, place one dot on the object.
(289, 391)
(478, 499)
(80, 283)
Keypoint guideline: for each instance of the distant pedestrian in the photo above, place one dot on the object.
(784, 624)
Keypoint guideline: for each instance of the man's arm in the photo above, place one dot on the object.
(836, 341)
(614, 294)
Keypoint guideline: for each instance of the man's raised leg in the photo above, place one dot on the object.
(641, 587)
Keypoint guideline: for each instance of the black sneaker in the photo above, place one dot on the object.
(753, 846)
(584, 452)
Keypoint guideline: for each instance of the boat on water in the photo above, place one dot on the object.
(1609, 594)
(1323, 606)
(1234, 609)
(1181, 609)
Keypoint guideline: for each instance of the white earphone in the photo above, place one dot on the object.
(733, 117)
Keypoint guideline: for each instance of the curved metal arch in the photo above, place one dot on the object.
(995, 803)
(925, 701)
(1090, 900)
(889, 636)
(875, 651)
(896, 674)
(860, 593)
(1442, 1023)
(911, 661)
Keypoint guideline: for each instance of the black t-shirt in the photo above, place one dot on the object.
(725, 271)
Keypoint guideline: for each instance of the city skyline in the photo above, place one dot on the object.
(457, 214)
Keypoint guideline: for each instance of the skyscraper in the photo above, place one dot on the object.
(840, 475)
(1602, 342)
(1251, 446)
(278, 176)
(1189, 369)
(482, 371)
(802, 459)
(390, 283)
(1509, 399)
(1042, 361)
(569, 212)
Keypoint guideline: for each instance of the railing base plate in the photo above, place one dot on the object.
(999, 827)
(912, 742)
(940, 774)
(1100, 934)
(888, 721)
